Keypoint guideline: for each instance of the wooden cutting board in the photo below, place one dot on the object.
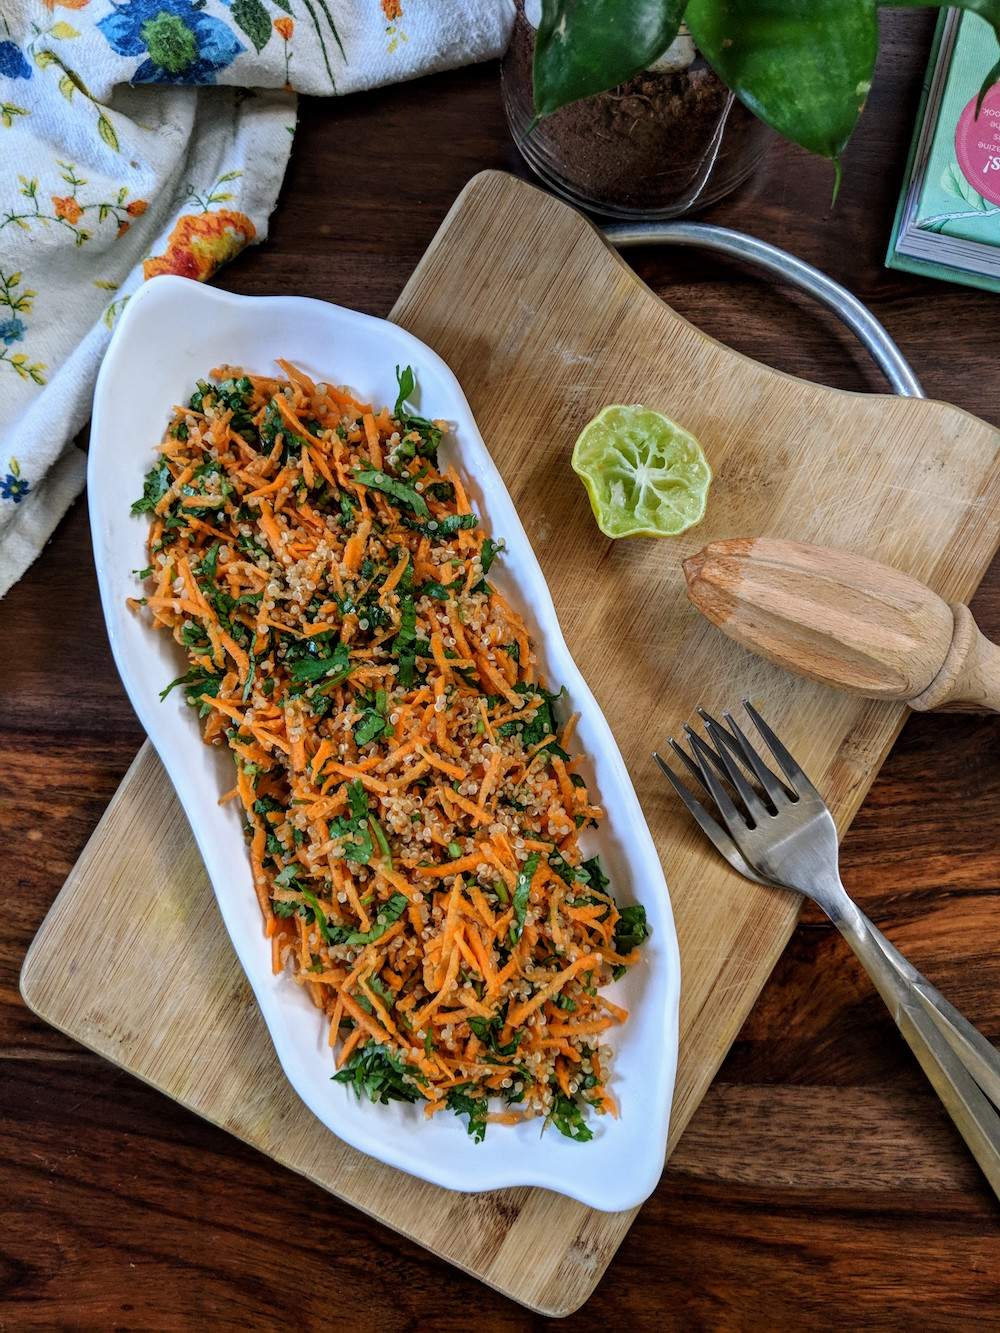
(544, 325)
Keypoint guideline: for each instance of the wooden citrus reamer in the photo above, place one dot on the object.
(846, 621)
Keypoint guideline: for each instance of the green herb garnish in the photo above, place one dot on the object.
(522, 890)
(378, 1073)
(155, 486)
(462, 1102)
(332, 669)
(399, 490)
(567, 1117)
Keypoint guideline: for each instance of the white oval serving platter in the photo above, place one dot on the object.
(170, 334)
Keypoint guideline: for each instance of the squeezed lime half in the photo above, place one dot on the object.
(646, 477)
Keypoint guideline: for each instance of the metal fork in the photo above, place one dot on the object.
(778, 831)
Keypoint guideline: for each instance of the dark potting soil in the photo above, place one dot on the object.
(642, 144)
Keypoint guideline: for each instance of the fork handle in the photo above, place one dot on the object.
(980, 1056)
(942, 1047)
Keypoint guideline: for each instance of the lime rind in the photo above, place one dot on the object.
(644, 474)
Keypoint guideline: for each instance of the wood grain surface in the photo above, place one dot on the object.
(819, 1183)
(126, 963)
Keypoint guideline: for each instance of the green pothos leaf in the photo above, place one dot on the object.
(587, 46)
(802, 66)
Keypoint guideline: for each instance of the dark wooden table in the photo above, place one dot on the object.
(820, 1183)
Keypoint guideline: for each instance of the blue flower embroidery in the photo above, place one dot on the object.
(12, 62)
(11, 331)
(182, 43)
(13, 488)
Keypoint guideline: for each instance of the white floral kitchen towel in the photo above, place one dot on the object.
(119, 161)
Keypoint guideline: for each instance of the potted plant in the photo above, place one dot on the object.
(653, 107)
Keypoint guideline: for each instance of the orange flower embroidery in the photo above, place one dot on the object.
(123, 228)
(67, 208)
(67, 4)
(136, 208)
(392, 9)
(198, 245)
(285, 27)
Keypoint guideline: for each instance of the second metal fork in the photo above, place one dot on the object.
(778, 831)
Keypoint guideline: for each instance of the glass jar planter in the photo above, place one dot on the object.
(670, 140)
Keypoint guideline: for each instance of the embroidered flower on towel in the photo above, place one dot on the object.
(14, 486)
(182, 43)
(12, 330)
(197, 246)
(12, 62)
(67, 208)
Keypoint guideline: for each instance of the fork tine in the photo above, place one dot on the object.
(717, 763)
(772, 784)
(692, 767)
(731, 817)
(795, 775)
(711, 828)
(723, 743)
(686, 759)
(743, 751)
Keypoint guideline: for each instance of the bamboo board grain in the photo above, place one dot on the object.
(543, 325)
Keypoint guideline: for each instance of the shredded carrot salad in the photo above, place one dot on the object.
(411, 807)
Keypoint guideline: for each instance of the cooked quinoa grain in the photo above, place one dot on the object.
(411, 805)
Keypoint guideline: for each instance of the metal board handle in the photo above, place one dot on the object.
(738, 245)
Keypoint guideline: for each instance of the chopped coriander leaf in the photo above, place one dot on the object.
(404, 646)
(158, 481)
(488, 1031)
(196, 682)
(380, 989)
(356, 824)
(489, 553)
(631, 930)
(388, 914)
(284, 907)
(326, 932)
(371, 726)
(433, 589)
(567, 1117)
(378, 1073)
(332, 669)
(399, 490)
(541, 724)
(452, 523)
(251, 548)
(462, 1102)
(593, 874)
(407, 382)
(563, 869)
(522, 891)
(209, 561)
